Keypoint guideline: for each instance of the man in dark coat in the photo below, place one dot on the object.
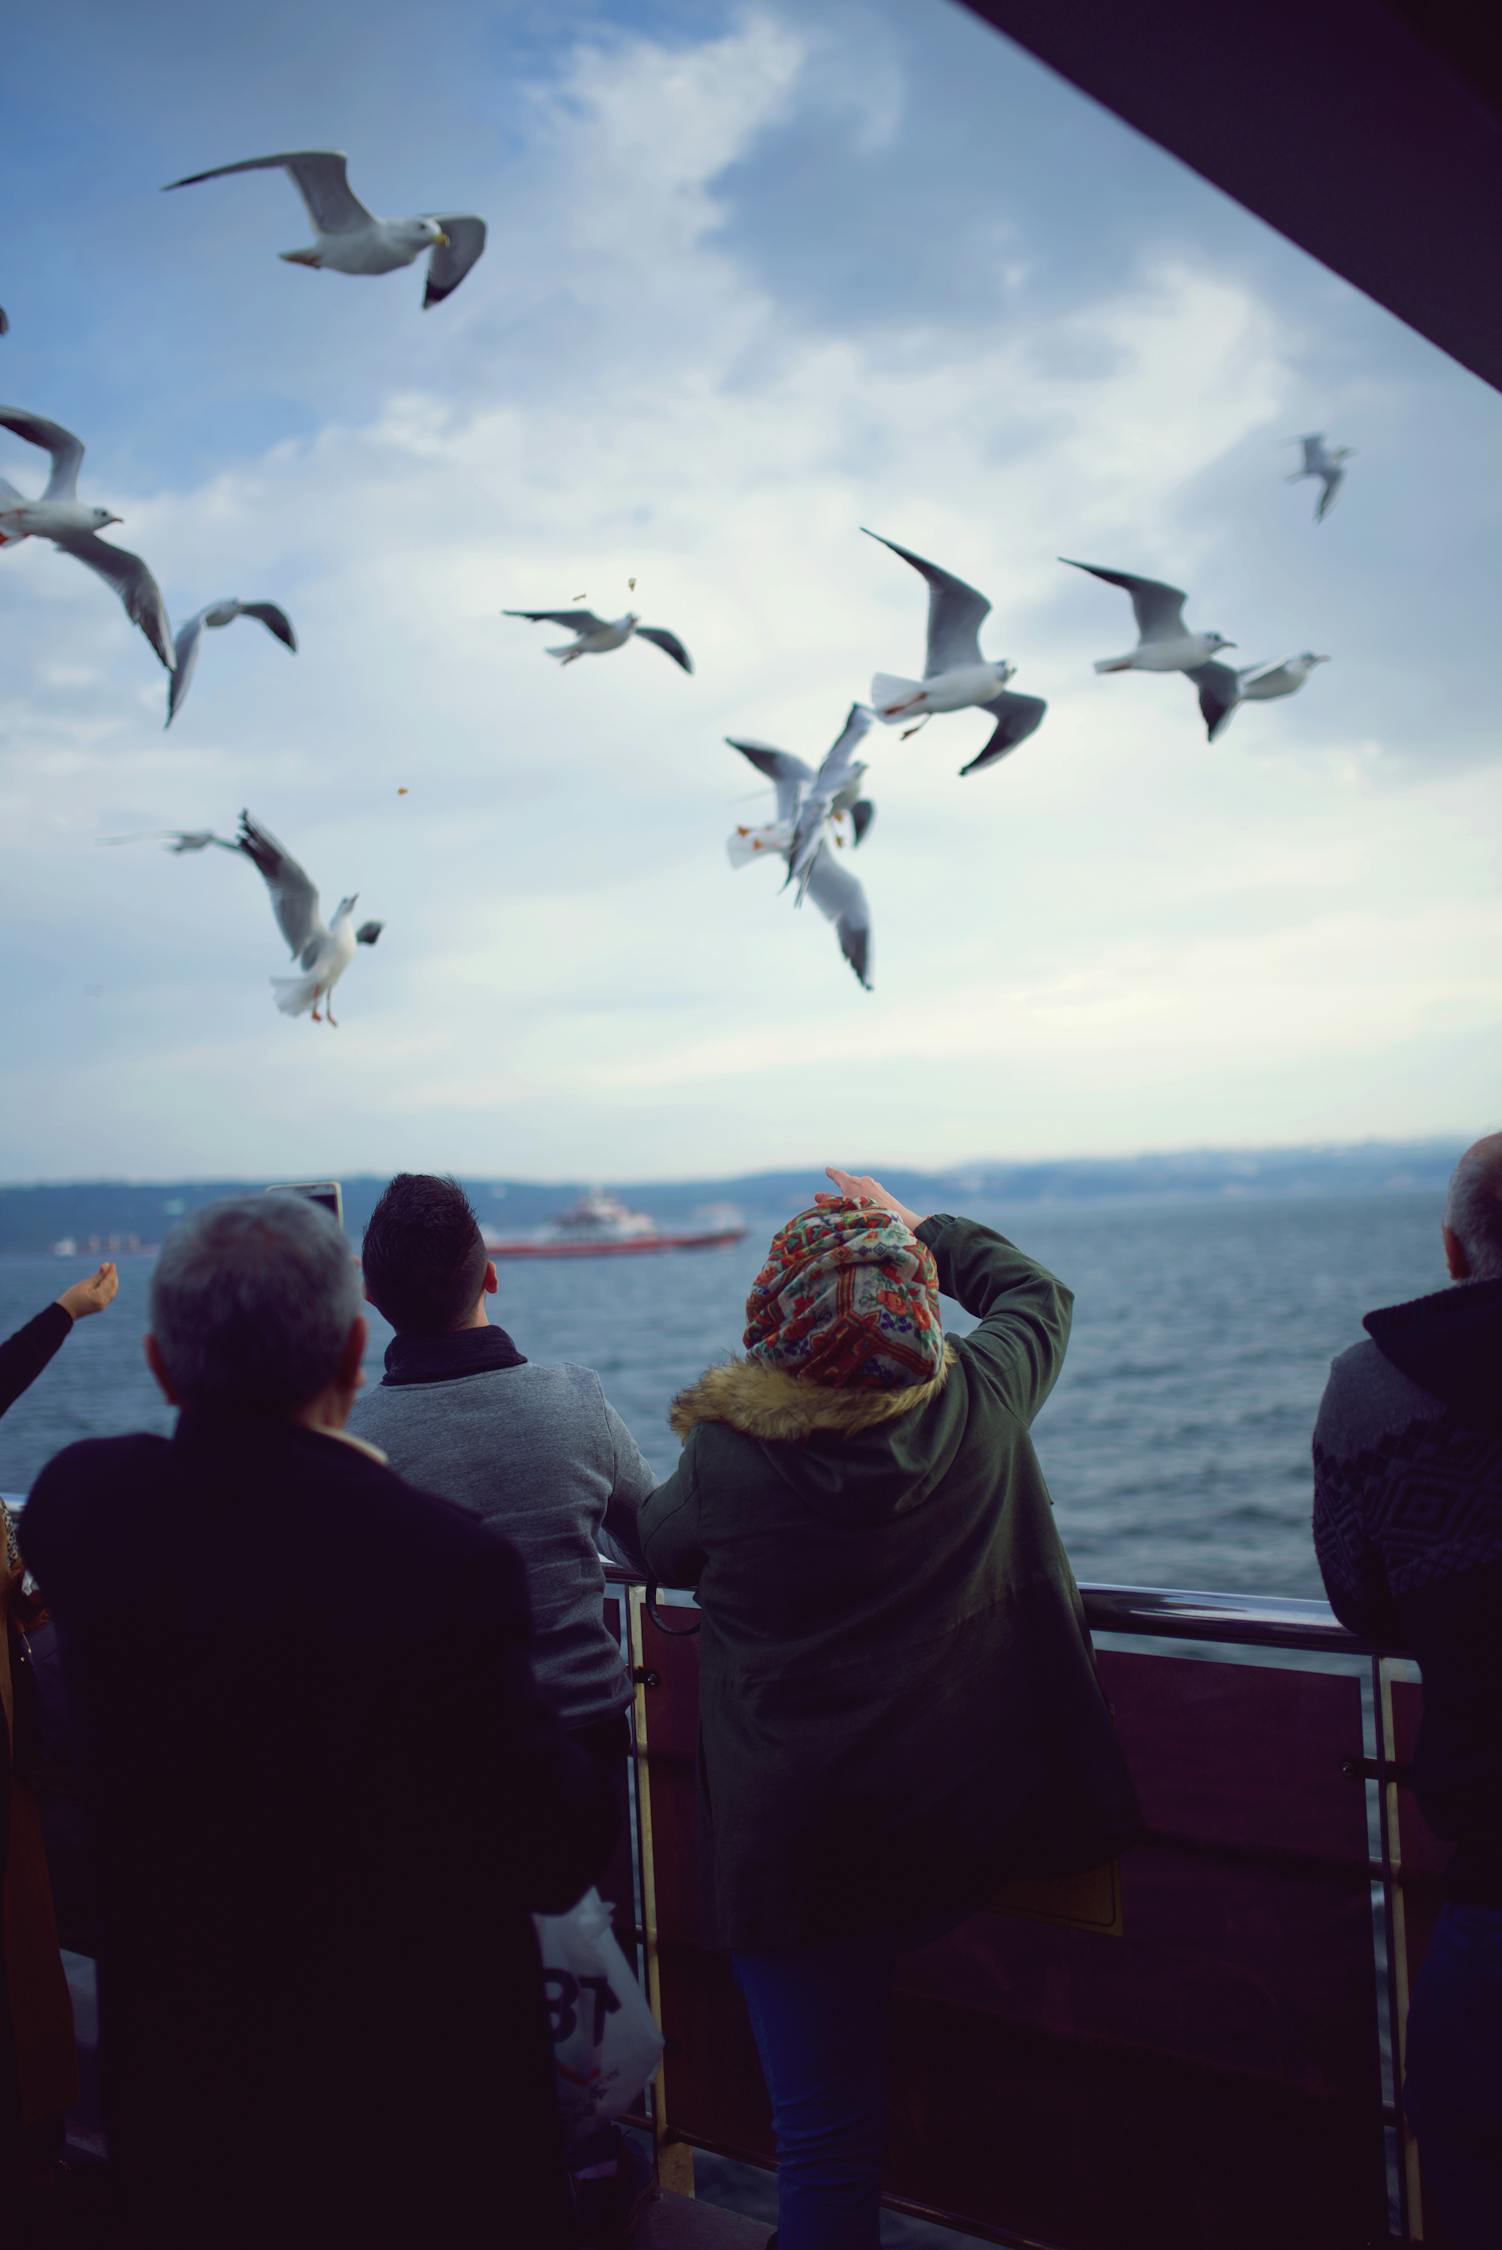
(1408, 1530)
(329, 1795)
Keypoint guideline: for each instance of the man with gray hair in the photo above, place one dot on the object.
(329, 1795)
(1408, 1530)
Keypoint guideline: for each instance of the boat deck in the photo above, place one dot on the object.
(679, 2222)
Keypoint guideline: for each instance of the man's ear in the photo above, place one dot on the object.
(1455, 1257)
(351, 1353)
(492, 1279)
(158, 1366)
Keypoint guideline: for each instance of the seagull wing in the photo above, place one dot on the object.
(955, 613)
(1334, 479)
(836, 763)
(1017, 716)
(862, 813)
(65, 448)
(579, 620)
(1219, 693)
(1158, 609)
(186, 659)
(294, 901)
(449, 262)
(320, 178)
(276, 621)
(840, 899)
(668, 642)
(4, 322)
(788, 775)
(1314, 453)
(132, 581)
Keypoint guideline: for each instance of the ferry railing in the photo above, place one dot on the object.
(1202, 2046)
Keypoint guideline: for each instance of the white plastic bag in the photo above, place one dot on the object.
(606, 2043)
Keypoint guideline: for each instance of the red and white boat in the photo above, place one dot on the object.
(598, 1226)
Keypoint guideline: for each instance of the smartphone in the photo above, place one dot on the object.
(326, 1192)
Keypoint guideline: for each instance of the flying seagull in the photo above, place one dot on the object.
(349, 239)
(956, 677)
(224, 612)
(322, 951)
(596, 636)
(59, 516)
(1164, 641)
(811, 811)
(1221, 689)
(1322, 461)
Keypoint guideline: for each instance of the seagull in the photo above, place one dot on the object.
(224, 612)
(59, 516)
(322, 952)
(1322, 461)
(596, 636)
(1164, 642)
(811, 810)
(1221, 689)
(956, 677)
(349, 239)
(4, 321)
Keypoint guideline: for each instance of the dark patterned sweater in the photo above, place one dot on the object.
(1408, 1530)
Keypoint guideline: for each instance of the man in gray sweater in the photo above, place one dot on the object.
(536, 1452)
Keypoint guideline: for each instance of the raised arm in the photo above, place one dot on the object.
(24, 1355)
(1023, 1310)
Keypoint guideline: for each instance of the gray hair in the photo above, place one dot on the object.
(252, 1302)
(1473, 1208)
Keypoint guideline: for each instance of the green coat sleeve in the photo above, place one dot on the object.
(671, 1529)
(1024, 1313)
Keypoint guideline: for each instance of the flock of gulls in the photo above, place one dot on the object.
(819, 813)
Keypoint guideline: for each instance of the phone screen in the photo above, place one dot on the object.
(326, 1192)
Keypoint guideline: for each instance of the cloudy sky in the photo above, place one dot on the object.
(757, 275)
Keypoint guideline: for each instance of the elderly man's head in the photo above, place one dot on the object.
(255, 1309)
(1473, 1213)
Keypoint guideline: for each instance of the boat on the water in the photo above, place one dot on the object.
(599, 1226)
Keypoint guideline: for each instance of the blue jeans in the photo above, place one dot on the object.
(1453, 2090)
(820, 2017)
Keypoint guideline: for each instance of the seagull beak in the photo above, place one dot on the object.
(114, 519)
(443, 242)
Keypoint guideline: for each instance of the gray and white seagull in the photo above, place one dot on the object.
(809, 831)
(349, 239)
(1164, 642)
(1322, 461)
(276, 622)
(956, 677)
(1221, 689)
(597, 636)
(60, 516)
(322, 951)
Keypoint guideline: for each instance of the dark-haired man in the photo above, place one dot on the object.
(1408, 1529)
(535, 1452)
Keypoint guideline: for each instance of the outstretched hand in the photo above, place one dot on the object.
(857, 1187)
(93, 1295)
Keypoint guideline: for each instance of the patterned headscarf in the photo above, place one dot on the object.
(848, 1296)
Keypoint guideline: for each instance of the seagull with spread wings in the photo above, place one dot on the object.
(349, 239)
(812, 809)
(956, 677)
(1164, 642)
(1221, 689)
(60, 516)
(1324, 462)
(597, 636)
(276, 622)
(322, 951)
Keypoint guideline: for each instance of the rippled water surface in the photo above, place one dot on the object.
(1177, 1441)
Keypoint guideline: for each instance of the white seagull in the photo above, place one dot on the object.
(1322, 461)
(1164, 641)
(323, 951)
(811, 811)
(276, 621)
(956, 677)
(349, 239)
(597, 636)
(59, 516)
(1221, 689)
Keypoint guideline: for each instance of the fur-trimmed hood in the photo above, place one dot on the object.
(778, 1408)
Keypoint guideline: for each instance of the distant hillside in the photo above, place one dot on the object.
(34, 1218)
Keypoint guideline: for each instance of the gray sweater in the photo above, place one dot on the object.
(539, 1454)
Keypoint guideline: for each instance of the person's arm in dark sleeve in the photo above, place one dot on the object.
(672, 1536)
(24, 1355)
(1024, 1312)
(632, 1482)
(1349, 1562)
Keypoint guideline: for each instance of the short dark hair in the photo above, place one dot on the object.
(424, 1255)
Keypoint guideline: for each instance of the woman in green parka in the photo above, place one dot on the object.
(898, 1698)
